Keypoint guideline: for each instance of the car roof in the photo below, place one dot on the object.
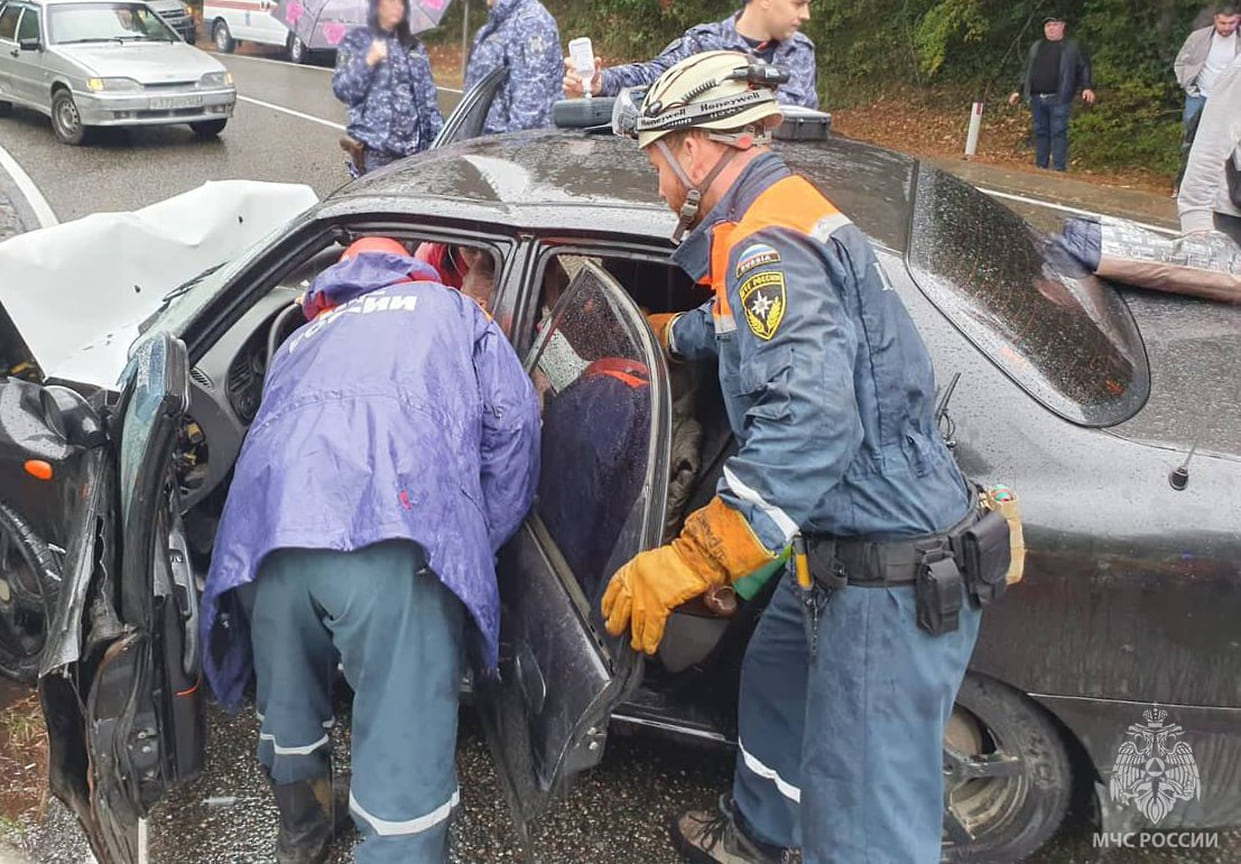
(560, 180)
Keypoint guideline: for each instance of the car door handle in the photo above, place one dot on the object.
(15, 53)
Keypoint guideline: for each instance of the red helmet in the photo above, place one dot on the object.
(373, 244)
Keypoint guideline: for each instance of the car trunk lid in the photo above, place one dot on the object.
(1194, 350)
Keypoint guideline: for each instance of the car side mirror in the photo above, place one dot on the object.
(30, 43)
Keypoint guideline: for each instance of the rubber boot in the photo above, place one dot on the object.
(312, 812)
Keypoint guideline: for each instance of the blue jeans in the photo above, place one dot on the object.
(1193, 108)
(1051, 131)
(843, 707)
(1190, 118)
(399, 633)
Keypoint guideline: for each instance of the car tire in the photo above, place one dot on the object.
(224, 42)
(29, 583)
(208, 129)
(6, 108)
(297, 50)
(1007, 775)
(66, 121)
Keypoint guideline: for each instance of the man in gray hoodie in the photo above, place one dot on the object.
(1207, 52)
(1204, 203)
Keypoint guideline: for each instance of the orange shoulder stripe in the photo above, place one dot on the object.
(791, 203)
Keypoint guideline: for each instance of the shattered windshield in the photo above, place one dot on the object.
(1060, 333)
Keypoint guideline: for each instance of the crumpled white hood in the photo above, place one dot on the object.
(78, 291)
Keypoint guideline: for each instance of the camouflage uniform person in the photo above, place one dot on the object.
(768, 30)
(522, 36)
(384, 76)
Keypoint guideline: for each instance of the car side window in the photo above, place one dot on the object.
(595, 394)
(8, 21)
(29, 27)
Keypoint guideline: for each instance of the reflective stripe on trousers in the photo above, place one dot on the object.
(399, 633)
(842, 751)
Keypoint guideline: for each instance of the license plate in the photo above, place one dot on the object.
(172, 103)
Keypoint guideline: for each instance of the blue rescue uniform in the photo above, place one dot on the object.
(393, 106)
(396, 449)
(522, 36)
(795, 55)
(829, 391)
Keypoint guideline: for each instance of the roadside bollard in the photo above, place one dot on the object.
(971, 140)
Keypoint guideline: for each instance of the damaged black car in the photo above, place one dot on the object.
(1113, 413)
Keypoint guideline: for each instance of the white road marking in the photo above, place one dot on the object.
(42, 210)
(1035, 202)
(331, 124)
(1066, 209)
(328, 69)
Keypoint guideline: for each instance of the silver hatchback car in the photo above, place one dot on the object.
(89, 63)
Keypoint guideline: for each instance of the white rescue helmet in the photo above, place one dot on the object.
(727, 95)
(724, 91)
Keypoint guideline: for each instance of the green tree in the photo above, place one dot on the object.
(957, 49)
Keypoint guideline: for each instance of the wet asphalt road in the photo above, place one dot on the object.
(617, 814)
(127, 169)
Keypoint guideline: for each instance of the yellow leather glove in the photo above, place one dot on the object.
(716, 546)
(661, 323)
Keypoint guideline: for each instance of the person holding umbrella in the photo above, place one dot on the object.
(522, 36)
(384, 75)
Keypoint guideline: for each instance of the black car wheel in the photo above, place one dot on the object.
(208, 129)
(222, 37)
(1006, 773)
(6, 108)
(298, 53)
(29, 583)
(66, 121)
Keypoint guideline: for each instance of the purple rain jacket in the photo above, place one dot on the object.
(401, 413)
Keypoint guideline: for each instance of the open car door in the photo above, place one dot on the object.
(468, 118)
(602, 492)
(120, 682)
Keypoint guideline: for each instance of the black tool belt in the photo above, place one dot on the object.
(975, 553)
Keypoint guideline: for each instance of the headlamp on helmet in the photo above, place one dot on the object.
(716, 91)
(625, 111)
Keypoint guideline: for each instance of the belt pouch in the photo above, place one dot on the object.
(984, 553)
(938, 592)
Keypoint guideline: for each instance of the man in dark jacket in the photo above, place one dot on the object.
(396, 449)
(1056, 68)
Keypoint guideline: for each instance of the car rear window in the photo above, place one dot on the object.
(1060, 333)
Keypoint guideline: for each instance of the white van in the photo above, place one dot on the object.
(233, 21)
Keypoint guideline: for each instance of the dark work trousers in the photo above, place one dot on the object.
(1051, 130)
(399, 633)
(842, 713)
